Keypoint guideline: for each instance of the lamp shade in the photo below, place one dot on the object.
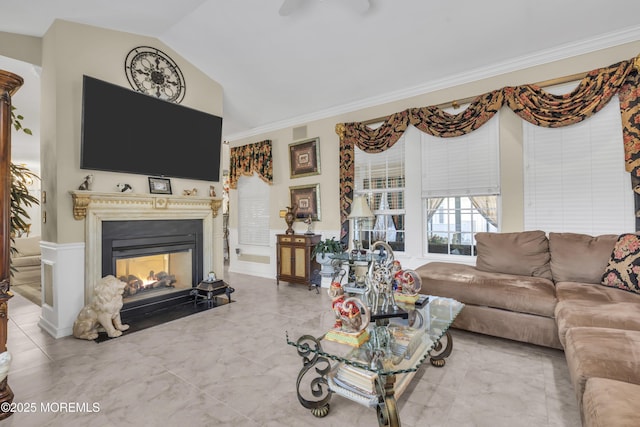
(360, 208)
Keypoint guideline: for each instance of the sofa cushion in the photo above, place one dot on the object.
(467, 284)
(616, 315)
(589, 292)
(580, 257)
(27, 246)
(524, 253)
(26, 261)
(624, 266)
(608, 403)
(604, 353)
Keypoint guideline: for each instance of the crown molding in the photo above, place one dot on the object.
(564, 51)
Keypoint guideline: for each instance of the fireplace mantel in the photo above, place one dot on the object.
(82, 200)
(95, 207)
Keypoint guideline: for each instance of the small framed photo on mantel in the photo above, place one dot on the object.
(304, 158)
(159, 185)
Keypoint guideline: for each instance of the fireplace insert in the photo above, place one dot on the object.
(159, 260)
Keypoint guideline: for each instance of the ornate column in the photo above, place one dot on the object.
(9, 84)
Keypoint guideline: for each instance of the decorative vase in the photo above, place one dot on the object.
(289, 217)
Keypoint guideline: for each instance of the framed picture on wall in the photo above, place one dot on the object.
(304, 158)
(159, 185)
(305, 199)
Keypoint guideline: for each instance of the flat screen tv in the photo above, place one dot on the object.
(130, 132)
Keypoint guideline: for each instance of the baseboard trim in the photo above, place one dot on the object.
(49, 328)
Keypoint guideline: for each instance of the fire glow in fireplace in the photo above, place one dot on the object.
(153, 275)
(159, 260)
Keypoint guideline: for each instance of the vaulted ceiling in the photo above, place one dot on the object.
(322, 57)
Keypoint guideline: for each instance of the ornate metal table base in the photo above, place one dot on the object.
(308, 348)
(386, 409)
(440, 352)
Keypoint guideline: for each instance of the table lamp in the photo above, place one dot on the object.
(359, 211)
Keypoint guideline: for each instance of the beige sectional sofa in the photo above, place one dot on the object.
(27, 257)
(547, 290)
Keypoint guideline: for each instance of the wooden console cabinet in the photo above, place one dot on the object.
(295, 264)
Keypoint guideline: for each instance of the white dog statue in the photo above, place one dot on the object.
(103, 313)
(124, 187)
(87, 182)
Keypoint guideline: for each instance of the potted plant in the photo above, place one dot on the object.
(20, 195)
(322, 251)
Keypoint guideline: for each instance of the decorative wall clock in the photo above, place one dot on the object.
(151, 71)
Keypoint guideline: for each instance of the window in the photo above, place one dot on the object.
(453, 221)
(460, 188)
(381, 178)
(253, 211)
(574, 176)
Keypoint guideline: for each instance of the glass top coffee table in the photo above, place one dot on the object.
(376, 372)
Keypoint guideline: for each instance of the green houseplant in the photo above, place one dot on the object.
(327, 246)
(322, 250)
(20, 177)
(20, 196)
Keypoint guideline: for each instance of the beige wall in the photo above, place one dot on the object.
(510, 136)
(71, 50)
(21, 47)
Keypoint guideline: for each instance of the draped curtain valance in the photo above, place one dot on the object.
(250, 158)
(530, 102)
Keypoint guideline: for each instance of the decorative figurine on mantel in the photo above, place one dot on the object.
(192, 192)
(124, 187)
(212, 191)
(86, 183)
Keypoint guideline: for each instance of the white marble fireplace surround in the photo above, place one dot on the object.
(93, 208)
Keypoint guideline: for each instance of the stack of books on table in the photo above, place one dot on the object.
(355, 383)
(405, 340)
(359, 385)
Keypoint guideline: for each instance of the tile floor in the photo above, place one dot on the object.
(231, 366)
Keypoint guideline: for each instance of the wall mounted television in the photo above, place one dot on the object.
(130, 132)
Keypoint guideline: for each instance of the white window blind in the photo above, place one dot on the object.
(381, 177)
(574, 176)
(464, 165)
(388, 164)
(253, 211)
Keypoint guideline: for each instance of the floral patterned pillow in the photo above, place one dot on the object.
(624, 266)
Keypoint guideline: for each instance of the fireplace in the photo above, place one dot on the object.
(159, 260)
(71, 270)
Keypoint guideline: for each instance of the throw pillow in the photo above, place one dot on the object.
(524, 253)
(580, 257)
(624, 266)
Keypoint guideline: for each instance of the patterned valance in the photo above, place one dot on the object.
(250, 158)
(530, 102)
